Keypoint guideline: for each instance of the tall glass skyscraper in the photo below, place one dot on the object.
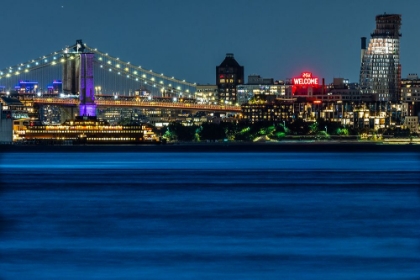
(380, 71)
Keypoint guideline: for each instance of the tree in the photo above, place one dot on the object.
(299, 127)
(342, 131)
(212, 131)
(231, 129)
(180, 132)
(278, 135)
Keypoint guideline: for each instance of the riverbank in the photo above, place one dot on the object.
(285, 146)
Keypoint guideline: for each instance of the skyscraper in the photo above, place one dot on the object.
(380, 71)
(229, 74)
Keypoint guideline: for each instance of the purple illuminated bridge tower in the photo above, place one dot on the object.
(87, 105)
(78, 79)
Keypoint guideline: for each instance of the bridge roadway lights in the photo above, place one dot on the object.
(121, 103)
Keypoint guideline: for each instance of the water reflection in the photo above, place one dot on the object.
(205, 216)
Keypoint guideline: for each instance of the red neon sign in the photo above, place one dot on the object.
(306, 79)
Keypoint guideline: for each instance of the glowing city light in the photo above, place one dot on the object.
(306, 79)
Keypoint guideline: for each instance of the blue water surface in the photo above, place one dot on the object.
(209, 215)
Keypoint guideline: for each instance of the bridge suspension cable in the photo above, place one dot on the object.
(146, 78)
(36, 69)
(112, 75)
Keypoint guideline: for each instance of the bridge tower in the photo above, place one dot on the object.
(78, 78)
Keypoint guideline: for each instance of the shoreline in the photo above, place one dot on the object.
(289, 146)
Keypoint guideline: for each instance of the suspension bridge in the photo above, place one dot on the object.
(78, 74)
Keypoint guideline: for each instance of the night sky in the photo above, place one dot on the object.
(188, 38)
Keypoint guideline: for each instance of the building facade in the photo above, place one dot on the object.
(412, 123)
(246, 92)
(348, 92)
(410, 94)
(260, 86)
(258, 80)
(380, 71)
(6, 126)
(229, 74)
(264, 111)
(206, 94)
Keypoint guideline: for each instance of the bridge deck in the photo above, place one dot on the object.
(141, 104)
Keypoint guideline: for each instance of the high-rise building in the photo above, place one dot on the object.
(380, 71)
(410, 94)
(229, 74)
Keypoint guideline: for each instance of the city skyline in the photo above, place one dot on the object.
(184, 39)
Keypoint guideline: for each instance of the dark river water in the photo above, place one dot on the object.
(210, 216)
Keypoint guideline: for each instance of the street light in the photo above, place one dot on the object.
(326, 130)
